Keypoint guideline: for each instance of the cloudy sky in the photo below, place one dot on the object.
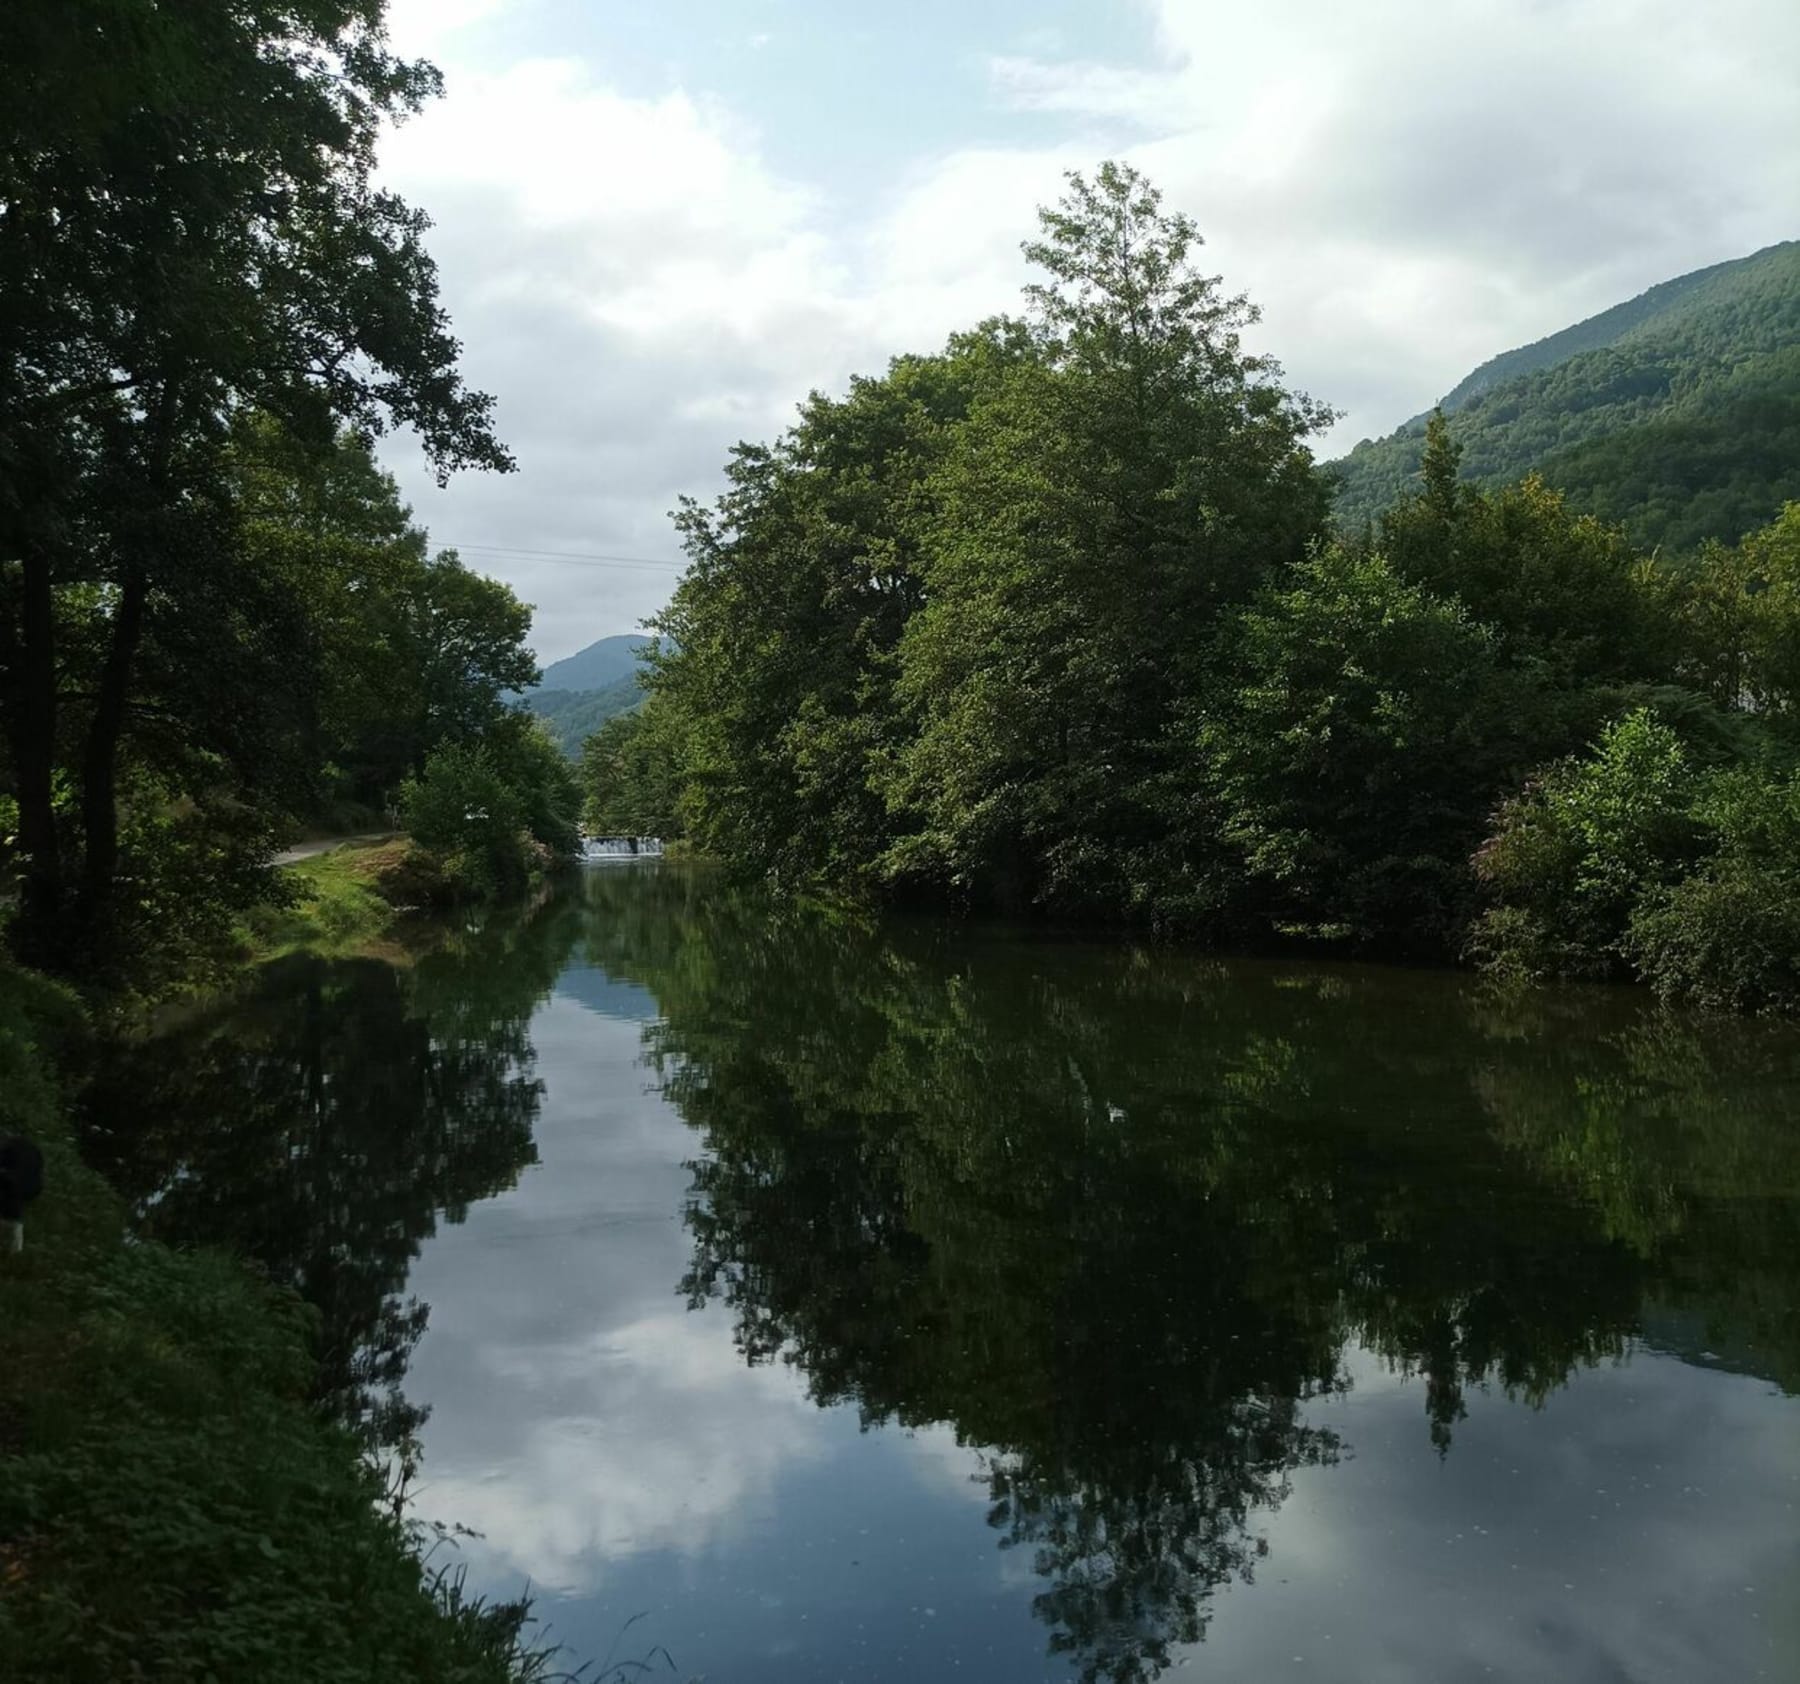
(661, 224)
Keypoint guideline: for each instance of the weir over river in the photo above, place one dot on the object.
(595, 849)
(909, 1301)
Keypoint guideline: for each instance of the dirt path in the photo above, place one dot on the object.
(311, 850)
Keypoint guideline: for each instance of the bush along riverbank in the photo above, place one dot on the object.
(171, 1505)
(485, 820)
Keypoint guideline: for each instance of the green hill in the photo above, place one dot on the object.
(574, 715)
(597, 667)
(1676, 413)
(578, 694)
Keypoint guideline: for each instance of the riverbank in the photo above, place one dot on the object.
(351, 896)
(171, 1505)
(340, 899)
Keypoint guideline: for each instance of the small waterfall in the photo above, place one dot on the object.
(621, 847)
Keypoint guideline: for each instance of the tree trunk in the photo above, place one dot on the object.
(31, 716)
(99, 771)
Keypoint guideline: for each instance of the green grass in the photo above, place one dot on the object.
(171, 1506)
(344, 901)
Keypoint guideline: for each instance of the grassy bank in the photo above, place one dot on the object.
(351, 899)
(340, 901)
(171, 1507)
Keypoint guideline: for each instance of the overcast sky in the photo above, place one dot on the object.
(661, 222)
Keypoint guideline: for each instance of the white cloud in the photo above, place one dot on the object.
(665, 1441)
(428, 28)
(1407, 187)
(1624, 1530)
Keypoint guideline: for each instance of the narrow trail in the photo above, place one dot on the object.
(311, 850)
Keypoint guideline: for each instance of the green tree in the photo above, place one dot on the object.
(1727, 935)
(191, 229)
(1107, 499)
(542, 779)
(1044, 622)
(1352, 755)
(495, 807)
(396, 650)
(1560, 588)
(466, 634)
(462, 807)
(630, 774)
(1570, 858)
(779, 647)
(1739, 613)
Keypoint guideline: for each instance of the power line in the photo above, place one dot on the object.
(574, 558)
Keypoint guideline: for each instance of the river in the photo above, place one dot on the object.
(817, 1298)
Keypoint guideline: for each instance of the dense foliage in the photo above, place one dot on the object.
(1676, 414)
(495, 808)
(215, 615)
(1636, 852)
(1053, 620)
(631, 776)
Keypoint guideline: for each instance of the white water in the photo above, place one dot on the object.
(621, 847)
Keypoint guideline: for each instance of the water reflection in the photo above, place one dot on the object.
(1120, 1218)
(1208, 1273)
(323, 1122)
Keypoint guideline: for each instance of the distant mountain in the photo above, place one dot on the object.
(597, 666)
(574, 715)
(578, 695)
(1676, 413)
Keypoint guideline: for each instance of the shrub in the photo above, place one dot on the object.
(463, 809)
(1570, 858)
(496, 810)
(1632, 856)
(1727, 938)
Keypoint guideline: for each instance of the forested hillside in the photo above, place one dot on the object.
(1053, 620)
(598, 667)
(578, 694)
(1676, 414)
(572, 716)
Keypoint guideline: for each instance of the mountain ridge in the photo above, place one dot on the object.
(601, 664)
(577, 695)
(1676, 413)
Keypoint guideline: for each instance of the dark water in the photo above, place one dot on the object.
(861, 1303)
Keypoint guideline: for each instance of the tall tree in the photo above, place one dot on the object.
(1561, 588)
(188, 227)
(397, 651)
(779, 648)
(1104, 503)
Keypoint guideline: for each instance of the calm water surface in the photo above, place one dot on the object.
(904, 1302)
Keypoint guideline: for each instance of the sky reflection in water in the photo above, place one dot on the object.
(1292, 1319)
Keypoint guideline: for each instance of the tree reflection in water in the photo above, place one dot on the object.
(1122, 1220)
(1119, 1218)
(323, 1122)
